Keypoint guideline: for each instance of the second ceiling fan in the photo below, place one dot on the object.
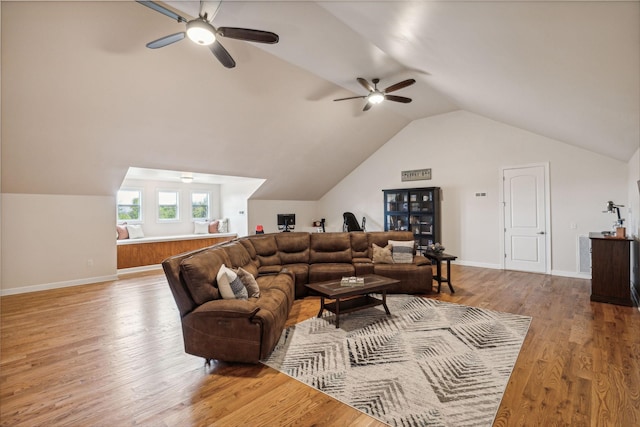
(202, 32)
(376, 95)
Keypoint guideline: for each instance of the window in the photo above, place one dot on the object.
(199, 205)
(168, 206)
(129, 205)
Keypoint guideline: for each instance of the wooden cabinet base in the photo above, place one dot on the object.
(151, 253)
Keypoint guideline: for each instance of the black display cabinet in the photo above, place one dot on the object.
(416, 210)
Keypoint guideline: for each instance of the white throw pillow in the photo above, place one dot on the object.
(230, 285)
(201, 228)
(135, 231)
(402, 251)
(223, 225)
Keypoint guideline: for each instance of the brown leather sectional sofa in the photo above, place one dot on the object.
(282, 263)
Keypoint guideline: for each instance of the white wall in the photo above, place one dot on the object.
(151, 226)
(234, 197)
(466, 152)
(52, 240)
(265, 213)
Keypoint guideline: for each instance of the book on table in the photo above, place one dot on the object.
(352, 281)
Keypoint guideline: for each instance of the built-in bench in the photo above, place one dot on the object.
(147, 251)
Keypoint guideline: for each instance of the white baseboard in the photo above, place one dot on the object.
(574, 274)
(478, 264)
(55, 285)
(141, 269)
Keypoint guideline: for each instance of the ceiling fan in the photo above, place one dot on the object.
(376, 96)
(201, 31)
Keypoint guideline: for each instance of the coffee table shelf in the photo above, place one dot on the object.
(352, 298)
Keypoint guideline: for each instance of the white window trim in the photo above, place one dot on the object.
(157, 206)
(208, 193)
(131, 221)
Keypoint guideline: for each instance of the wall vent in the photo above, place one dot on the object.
(584, 254)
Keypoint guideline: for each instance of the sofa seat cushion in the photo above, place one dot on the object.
(301, 274)
(413, 279)
(363, 268)
(269, 269)
(283, 283)
(330, 271)
(421, 260)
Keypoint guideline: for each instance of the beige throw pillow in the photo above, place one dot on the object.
(249, 282)
(382, 255)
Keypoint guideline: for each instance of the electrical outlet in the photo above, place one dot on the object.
(89, 262)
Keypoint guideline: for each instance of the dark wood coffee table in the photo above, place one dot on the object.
(352, 298)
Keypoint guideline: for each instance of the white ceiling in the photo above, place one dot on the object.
(565, 70)
(83, 110)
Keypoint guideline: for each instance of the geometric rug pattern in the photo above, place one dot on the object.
(429, 363)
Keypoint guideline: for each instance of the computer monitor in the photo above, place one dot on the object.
(286, 222)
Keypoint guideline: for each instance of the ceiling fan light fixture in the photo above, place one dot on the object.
(201, 32)
(375, 97)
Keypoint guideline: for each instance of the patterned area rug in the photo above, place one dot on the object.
(429, 363)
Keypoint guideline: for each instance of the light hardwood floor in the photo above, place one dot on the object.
(111, 354)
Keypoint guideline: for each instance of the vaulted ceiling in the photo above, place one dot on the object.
(83, 99)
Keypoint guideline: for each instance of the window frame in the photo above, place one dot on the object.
(158, 205)
(140, 205)
(207, 217)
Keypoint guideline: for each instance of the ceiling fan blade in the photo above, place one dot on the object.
(209, 9)
(158, 8)
(351, 97)
(365, 84)
(166, 40)
(221, 53)
(249, 35)
(400, 85)
(367, 106)
(398, 99)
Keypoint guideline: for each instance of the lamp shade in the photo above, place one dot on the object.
(375, 97)
(201, 32)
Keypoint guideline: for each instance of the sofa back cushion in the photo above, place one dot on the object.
(359, 244)
(293, 248)
(199, 272)
(266, 250)
(330, 247)
(239, 257)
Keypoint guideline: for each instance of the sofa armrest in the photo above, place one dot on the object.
(421, 260)
(228, 308)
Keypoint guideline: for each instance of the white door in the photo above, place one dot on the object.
(525, 219)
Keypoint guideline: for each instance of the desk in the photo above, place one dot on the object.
(438, 257)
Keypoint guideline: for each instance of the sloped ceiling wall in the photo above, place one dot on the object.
(83, 99)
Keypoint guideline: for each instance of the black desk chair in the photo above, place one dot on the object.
(350, 222)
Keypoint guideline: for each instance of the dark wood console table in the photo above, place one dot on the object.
(611, 269)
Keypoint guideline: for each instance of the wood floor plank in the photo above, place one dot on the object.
(112, 354)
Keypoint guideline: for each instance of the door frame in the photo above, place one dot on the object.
(547, 213)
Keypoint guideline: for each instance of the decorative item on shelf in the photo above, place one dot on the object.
(259, 229)
(619, 224)
(437, 248)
